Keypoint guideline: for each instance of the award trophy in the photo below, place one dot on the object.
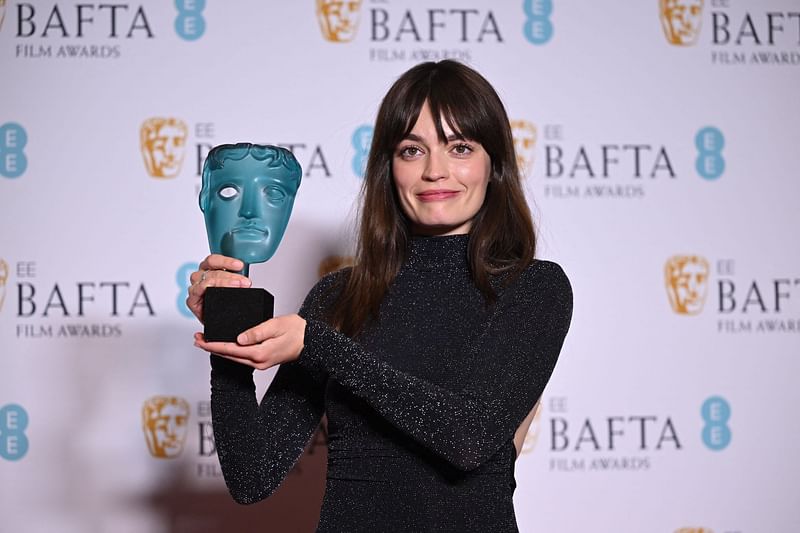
(246, 198)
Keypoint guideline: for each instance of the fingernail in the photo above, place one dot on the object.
(241, 339)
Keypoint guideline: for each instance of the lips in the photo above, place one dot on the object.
(436, 195)
(250, 232)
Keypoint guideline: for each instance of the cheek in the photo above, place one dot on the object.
(478, 177)
(400, 180)
(222, 212)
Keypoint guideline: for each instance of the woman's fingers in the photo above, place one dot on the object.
(214, 271)
(213, 278)
(258, 356)
(221, 262)
(259, 333)
(223, 269)
(201, 280)
(278, 340)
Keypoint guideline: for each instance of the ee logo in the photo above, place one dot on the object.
(182, 280)
(12, 143)
(709, 142)
(716, 412)
(538, 28)
(361, 141)
(190, 24)
(13, 441)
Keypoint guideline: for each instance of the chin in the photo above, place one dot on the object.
(254, 253)
(441, 227)
(257, 257)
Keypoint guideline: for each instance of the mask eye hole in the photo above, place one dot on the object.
(228, 192)
(275, 194)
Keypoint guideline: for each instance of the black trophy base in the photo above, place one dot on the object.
(228, 311)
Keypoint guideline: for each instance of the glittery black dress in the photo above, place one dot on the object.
(421, 409)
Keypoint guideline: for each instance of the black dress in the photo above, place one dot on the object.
(422, 407)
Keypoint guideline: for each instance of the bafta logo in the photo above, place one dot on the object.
(532, 437)
(338, 19)
(3, 280)
(332, 263)
(525, 136)
(681, 20)
(686, 278)
(165, 420)
(162, 143)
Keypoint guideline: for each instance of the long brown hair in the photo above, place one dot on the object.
(501, 238)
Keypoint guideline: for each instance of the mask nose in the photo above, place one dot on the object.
(250, 206)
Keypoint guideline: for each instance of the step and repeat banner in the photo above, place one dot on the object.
(659, 141)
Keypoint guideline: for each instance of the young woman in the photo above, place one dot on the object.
(429, 354)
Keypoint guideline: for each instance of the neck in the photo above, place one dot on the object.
(447, 252)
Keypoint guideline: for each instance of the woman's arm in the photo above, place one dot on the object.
(257, 444)
(467, 427)
(519, 350)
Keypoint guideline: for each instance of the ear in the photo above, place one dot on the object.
(203, 196)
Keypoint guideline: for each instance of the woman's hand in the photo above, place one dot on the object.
(276, 341)
(213, 272)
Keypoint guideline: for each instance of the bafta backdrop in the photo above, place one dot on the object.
(658, 140)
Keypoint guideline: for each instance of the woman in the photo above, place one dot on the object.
(429, 354)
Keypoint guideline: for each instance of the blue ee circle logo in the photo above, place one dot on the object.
(182, 280)
(709, 142)
(190, 24)
(361, 141)
(538, 28)
(716, 412)
(12, 143)
(13, 441)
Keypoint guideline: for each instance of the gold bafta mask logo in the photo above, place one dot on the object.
(165, 421)
(162, 143)
(532, 437)
(3, 280)
(332, 263)
(686, 277)
(525, 136)
(681, 20)
(338, 19)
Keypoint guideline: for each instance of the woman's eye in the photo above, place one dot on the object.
(228, 192)
(410, 151)
(275, 194)
(462, 149)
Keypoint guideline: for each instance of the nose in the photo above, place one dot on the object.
(435, 167)
(250, 206)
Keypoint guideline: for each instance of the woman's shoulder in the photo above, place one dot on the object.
(544, 271)
(324, 293)
(333, 279)
(541, 278)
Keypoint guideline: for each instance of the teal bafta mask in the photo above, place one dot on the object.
(247, 197)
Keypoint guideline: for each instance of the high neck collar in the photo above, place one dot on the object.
(446, 252)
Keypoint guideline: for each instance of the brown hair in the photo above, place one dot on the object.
(502, 239)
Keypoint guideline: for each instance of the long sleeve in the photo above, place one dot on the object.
(257, 444)
(518, 350)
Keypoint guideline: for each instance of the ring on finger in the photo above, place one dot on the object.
(203, 276)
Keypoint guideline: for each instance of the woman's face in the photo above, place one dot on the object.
(441, 185)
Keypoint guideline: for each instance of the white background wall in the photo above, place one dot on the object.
(83, 209)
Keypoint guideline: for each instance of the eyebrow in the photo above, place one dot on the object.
(450, 138)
